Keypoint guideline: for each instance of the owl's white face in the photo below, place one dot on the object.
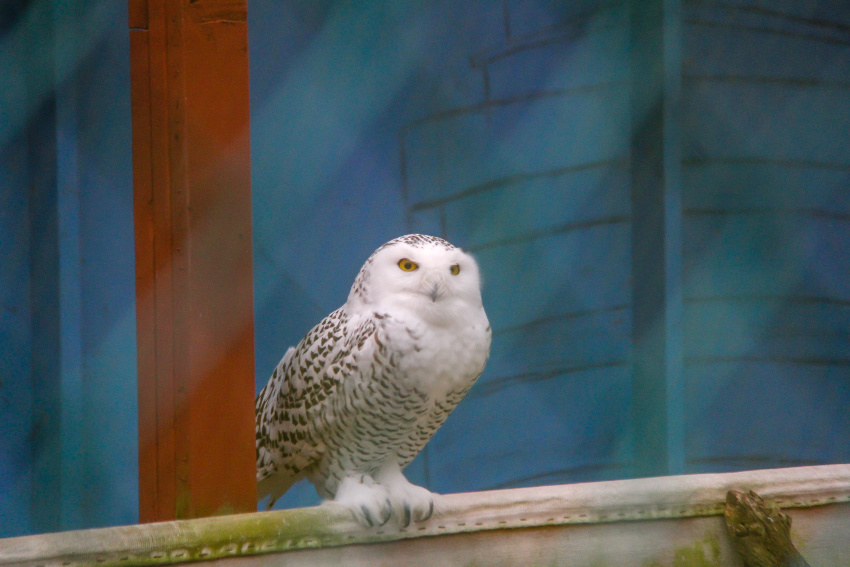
(426, 277)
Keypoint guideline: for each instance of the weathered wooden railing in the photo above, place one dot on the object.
(667, 521)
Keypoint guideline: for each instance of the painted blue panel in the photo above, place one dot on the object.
(584, 52)
(741, 185)
(15, 344)
(450, 154)
(555, 344)
(492, 176)
(807, 56)
(529, 19)
(107, 485)
(73, 462)
(787, 16)
(765, 254)
(805, 328)
(522, 210)
(568, 428)
(765, 234)
(46, 386)
(557, 274)
(734, 120)
(757, 414)
(432, 221)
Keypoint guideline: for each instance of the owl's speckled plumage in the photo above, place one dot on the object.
(356, 400)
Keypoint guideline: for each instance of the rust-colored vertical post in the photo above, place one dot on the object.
(191, 175)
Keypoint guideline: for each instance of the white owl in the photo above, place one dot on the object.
(357, 399)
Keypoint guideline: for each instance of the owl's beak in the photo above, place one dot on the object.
(434, 286)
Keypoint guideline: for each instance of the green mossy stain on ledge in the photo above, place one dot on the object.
(251, 534)
(203, 539)
(703, 553)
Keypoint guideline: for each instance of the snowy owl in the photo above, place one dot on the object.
(357, 399)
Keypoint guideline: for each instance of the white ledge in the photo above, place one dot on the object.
(628, 514)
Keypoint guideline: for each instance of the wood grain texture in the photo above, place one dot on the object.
(191, 167)
(659, 522)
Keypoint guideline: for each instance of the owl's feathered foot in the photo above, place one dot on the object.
(388, 495)
(368, 501)
(410, 502)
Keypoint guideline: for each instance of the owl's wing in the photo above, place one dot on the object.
(294, 407)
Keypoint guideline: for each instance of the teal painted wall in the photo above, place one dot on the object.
(68, 450)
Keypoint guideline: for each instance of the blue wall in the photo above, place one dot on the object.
(507, 127)
(68, 450)
(766, 202)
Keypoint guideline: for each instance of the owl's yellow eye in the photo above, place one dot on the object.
(407, 265)
(455, 270)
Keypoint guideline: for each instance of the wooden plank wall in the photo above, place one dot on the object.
(67, 392)
(656, 221)
(766, 221)
(534, 180)
(656, 193)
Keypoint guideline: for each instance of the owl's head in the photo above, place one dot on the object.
(419, 272)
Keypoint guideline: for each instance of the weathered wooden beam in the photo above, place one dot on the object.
(191, 174)
(673, 520)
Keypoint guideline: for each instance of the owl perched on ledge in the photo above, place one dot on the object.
(357, 399)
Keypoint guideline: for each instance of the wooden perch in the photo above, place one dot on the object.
(657, 522)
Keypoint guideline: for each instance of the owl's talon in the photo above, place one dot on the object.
(430, 512)
(367, 516)
(388, 512)
(368, 501)
(406, 521)
(421, 515)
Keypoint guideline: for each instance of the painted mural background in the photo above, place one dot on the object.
(511, 129)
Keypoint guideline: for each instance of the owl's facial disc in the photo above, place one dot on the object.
(433, 279)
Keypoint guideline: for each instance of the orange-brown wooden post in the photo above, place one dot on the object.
(191, 175)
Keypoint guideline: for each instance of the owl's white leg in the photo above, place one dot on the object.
(367, 500)
(410, 502)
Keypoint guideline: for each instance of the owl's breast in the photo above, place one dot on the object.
(439, 360)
